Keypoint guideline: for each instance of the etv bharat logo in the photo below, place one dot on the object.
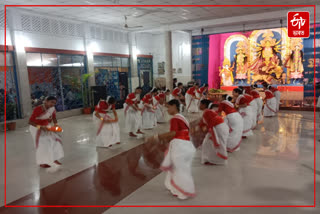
(298, 24)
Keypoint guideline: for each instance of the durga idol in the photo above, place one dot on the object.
(267, 61)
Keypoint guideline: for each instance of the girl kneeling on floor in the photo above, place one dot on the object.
(270, 107)
(214, 146)
(179, 155)
(108, 132)
(235, 122)
(245, 111)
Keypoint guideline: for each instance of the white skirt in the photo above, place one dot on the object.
(235, 123)
(108, 134)
(132, 119)
(149, 120)
(246, 114)
(192, 104)
(259, 103)
(270, 108)
(177, 163)
(215, 154)
(48, 146)
(254, 109)
(160, 114)
(277, 95)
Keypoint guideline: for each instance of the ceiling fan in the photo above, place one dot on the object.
(126, 24)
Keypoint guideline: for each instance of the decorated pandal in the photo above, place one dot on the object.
(266, 55)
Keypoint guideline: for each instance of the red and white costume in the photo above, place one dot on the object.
(107, 133)
(254, 108)
(192, 104)
(200, 93)
(149, 119)
(160, 108)
(277, 95)
(178, 159)
(132, 116)
(270, 107)
(175, 95)
(48, 144)
(214, 146)
(247, 114)
(235, 122)
(259, 102)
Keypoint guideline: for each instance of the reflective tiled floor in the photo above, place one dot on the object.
(273, 167)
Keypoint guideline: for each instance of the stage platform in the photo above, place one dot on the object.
(292, 97)
(280, 88)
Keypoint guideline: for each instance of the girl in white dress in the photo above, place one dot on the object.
(179, 155)
(48, 144)
(132, 113)
(108, 132)
(192, 101)
(235, 122)
(241, 104)
(148, 113)
(256, 96)
(214, 146)
(270, 107)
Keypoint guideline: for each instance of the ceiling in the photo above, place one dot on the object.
(150, 17)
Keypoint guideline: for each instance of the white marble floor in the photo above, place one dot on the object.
(25, 177)
(273, 167)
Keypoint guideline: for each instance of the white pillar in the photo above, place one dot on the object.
(90, 48)
(19, 41)
(133, 60)
(168, 57)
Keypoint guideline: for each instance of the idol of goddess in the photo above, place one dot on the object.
(226, 74)
(294, 61)
(267, 61)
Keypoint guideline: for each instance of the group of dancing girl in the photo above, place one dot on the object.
(234, 120)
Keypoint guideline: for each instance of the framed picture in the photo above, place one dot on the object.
(161, 67)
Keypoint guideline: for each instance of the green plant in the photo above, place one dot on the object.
(85, 91)
(10, 111)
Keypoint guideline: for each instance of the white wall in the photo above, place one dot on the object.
(2, 37)
(181, 52)
(109, 47)
(35, 40)
(181, 55)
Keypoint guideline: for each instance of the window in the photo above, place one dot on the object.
(34, 59)
(49, 60)
(116, 62)
(12, 98)
(113, 72)
(57, 75)
(65, 61)
(124, 62)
